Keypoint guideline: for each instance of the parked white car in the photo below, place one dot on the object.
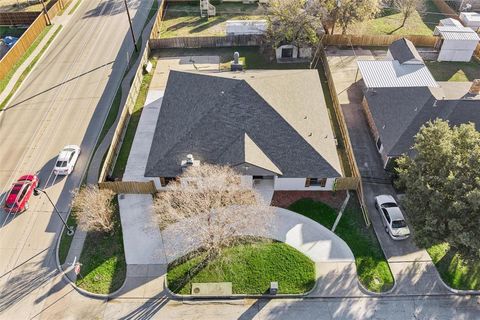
(392, 217)
(66, 160)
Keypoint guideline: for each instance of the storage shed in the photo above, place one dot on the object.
(457, 43)
(471, 19)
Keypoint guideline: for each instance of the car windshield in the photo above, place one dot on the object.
(399, 224)
(389, 205)
(61, 164)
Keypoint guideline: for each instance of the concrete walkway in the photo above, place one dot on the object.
(412, 267)
(334, 261)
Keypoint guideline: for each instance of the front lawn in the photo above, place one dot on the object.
(251, 267)
(454, 270)
(454, 71)
(372, 267)
(183, 20)
(103, 260)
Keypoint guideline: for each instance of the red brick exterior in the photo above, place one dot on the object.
(284, 199)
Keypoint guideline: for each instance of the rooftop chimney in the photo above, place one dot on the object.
(475, 88)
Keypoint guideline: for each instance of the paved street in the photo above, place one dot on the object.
(411, 266)
(63, 101)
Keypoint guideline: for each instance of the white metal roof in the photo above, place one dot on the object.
(450, 22)
(470, 16)
(456, 33)
(389, 74)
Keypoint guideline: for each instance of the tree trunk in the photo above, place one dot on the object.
(405, 17)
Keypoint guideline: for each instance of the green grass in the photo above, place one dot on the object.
(103, 260)
(183, 20)
(251, 268)
(122, 158)
(372, 267)
(4, 82)
(454, 71)
(11, 31)
(77, 4)
(389, 23)
(66, 241)
(454, 270)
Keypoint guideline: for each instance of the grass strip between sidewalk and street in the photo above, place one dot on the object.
(103, 262)
(372, 267)
(66, 240)
(250, 267)
(77, 4)
(457, 272)
(4, 82)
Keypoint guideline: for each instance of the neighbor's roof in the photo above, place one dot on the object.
(403, 50)
(456, 33)
(275, 120)
(399, 113)
(390, 73)
(450, 22)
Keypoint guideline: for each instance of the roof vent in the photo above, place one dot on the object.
(475, 88)
(190, 161)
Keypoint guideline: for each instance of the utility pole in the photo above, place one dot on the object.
(131, 27)
(49, 22)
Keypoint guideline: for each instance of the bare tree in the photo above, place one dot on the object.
(296, 22)
(93, 208)
(352, 11)
(408, 8)
(209, 208)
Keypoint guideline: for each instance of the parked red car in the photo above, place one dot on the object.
(17, 199)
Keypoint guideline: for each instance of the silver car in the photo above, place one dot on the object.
(66, 160)
(392, 217)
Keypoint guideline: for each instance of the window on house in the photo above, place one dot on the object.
(379, 144)
(318, 182)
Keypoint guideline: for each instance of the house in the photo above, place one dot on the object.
(396, 115)
(267, 124)
(457, 43)
(397, 105)
(403, 67)
(471, 19)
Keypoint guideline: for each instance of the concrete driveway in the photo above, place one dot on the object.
(411, 266)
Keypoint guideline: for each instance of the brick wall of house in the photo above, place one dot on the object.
(371, 123)
(284, 199)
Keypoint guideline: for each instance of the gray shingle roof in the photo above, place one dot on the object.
(403, 50)
(225, 120)
(399, 113)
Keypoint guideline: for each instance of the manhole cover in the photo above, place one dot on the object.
(196, 290)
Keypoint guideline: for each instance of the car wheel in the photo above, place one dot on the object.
(26, 207)
(386, 230)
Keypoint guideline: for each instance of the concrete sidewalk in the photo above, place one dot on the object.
(8, 89)
(412, 267)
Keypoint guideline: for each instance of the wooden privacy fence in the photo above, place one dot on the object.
(128, 107)
(18, 18)
(129, 187)
(28, 37)
(376, 40)
(356, 177)
(207, 42)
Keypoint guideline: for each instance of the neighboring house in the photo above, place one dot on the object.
(471, 19)
(403, 67)
(396, 110)
(267, 124)
(457, 43)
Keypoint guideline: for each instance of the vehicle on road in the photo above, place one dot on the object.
(66, 160)
(392, 217)
(20, 193)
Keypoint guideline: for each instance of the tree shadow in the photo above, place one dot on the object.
(110, 8)
(24, 279)
(149, 309)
